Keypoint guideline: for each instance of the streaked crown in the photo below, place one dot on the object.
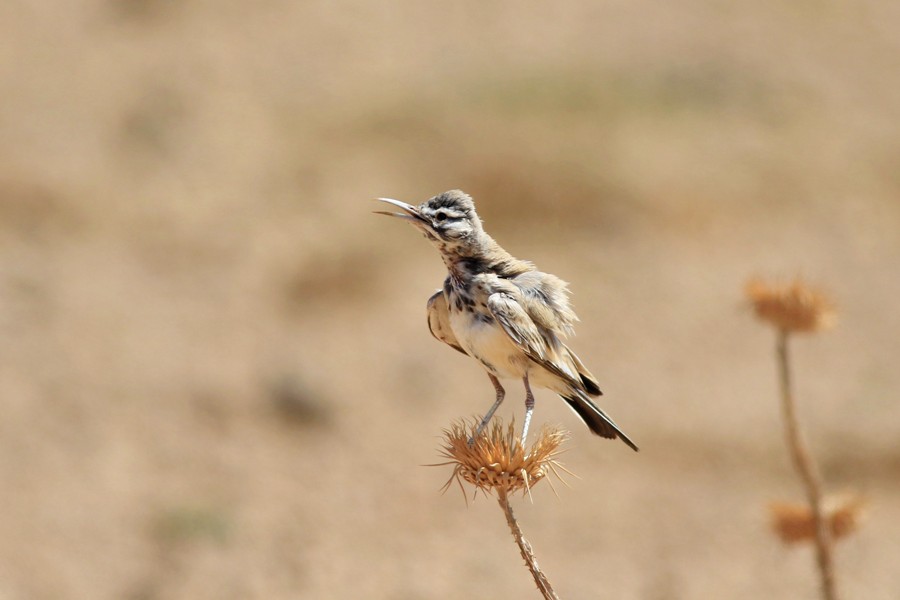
(452, 216)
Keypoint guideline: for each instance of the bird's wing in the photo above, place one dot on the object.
(546, 301)
(591, 385)
(541, 346)
(546, 298)
(439, 321)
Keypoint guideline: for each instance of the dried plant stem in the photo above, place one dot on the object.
(525, 548)
(806, 468)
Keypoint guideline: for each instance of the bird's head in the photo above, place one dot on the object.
(448, 221)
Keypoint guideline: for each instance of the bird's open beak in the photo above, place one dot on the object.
(410, 214)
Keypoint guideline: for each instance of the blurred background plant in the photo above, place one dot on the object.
(199, 313)
(796, 308)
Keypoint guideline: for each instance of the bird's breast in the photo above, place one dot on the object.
(483, 338)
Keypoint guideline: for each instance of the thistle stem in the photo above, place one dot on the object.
(807, 470)
(543, 584)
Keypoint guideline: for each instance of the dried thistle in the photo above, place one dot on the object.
(793, 306)
(794, 522)
(496, 460)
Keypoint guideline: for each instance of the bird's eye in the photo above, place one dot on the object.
(441, 216)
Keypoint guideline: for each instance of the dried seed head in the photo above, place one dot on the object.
(793, 306)
(794, 522)
(496, 460)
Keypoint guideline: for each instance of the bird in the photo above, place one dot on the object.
(503, 312)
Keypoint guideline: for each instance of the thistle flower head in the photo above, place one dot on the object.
(793, 306)
(793, 522)
(496, 460)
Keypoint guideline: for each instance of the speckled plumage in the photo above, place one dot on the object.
(503, 312)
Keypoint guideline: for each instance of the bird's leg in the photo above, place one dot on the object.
(501, 393)
(529, 408)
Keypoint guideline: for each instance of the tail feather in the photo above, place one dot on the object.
(597, 421)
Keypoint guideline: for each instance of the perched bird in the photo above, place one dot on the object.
(503, 312)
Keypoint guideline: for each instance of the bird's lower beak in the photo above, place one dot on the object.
(411, 213)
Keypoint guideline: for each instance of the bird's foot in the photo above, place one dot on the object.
(478, 431)
(525, 427)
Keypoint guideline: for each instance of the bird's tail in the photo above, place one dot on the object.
(597, 421)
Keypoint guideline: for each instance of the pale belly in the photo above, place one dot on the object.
(483, 338)
(487, 342)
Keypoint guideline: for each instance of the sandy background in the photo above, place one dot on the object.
(215, 375)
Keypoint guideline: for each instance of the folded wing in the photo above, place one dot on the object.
(439, 321)
(537, 343)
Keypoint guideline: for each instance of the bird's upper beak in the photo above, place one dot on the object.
(410, 213)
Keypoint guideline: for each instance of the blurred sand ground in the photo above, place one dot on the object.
(215, 375)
